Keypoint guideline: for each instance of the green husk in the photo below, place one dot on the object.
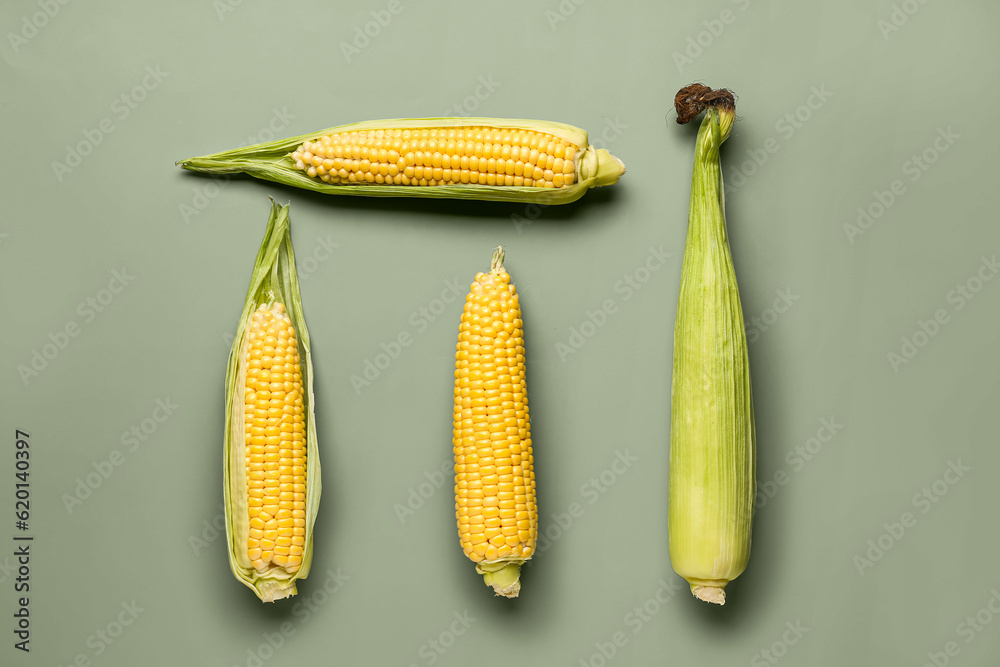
(273, 280)
(712, 441)
(503, 574)
(271, 162)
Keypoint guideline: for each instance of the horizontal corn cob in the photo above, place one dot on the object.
(494, 473)
(271, 465)
(466, 158)
(439, 156)
(712, 441)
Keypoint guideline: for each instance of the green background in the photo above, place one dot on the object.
(884, 80)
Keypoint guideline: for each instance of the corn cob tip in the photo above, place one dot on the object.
(693, 99)
(505, 580)
(609, 168)
(496, 265)
(602, 166)
(713, 594)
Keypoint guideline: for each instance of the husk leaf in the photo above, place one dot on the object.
(273, 280)
(712, 440)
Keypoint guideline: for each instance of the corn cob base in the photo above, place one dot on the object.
(503, 575)
(709, 591)
(272, 591)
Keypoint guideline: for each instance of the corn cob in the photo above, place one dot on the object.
(712, 441)
(467, 158)
(494, 474)
(272, 484)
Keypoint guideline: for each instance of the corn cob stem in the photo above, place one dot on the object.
(505, 580)
(496, 264)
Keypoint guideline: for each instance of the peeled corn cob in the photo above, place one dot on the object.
(275, 449)
(466, 158)
(272, 484)
(494, 474)
(712, 441)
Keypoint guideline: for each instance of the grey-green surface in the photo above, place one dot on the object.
(884, 79)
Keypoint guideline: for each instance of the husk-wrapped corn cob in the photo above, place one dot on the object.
(494, 468)
(712, 441)
(464, 158)
(272, 476)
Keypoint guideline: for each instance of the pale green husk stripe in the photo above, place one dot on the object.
(712, 441)
(271, 162)
(273, 280)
